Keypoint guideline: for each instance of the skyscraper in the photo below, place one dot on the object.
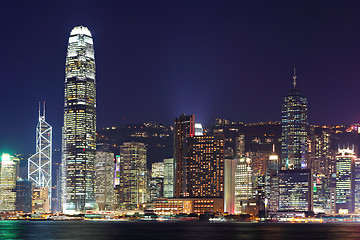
(184, 129)
(206, 166)
(169, 177)
(39, 164)
(345, 166)
(79, 128)
(104, 177)
(295, 179)
(199, 160)
(294, 124)
(133, 175)
(8, 182)
(243, 182)
(296, 190)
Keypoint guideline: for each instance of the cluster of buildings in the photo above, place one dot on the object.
(283, 169)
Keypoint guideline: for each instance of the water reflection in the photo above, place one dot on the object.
(10, 230)
(174, 230)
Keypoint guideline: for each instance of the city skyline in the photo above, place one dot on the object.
(213, 53)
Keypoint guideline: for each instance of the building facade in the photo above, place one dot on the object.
(243, 183)
(294, 124)
(157, 170)
(206, 166)
(40, 200)
(8, 173)
(104, 178)
(345, 176)
(79, 129)
(168, 178)
(184, 130)
(23, 196)
(133, 175)
(40, 164)
(296, 190)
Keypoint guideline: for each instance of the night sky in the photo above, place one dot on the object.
(158, 59)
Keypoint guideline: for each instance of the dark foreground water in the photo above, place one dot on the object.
(85, 230)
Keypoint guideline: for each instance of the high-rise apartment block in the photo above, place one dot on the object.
(79, 128)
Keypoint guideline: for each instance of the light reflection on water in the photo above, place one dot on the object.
(174, 230)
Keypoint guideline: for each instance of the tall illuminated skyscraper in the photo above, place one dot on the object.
(133, 175)
(294, 124)
(8, 172)
(184, 130)
(206, 166)
(79, 128)
(39, 164)
(345, 165)
(243, 182)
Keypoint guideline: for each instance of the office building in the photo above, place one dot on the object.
(157, 170)
(189, 205)
(243, 183)
(40, 200)
(23, 196)
(294, 124)
(357, 185)
(295, 190)
(206, 166)
(40, 164)
(168, 178)
(184, 130)
(8, 173)
(104, 177)
(229, 185)
(156, 186)
(322, 194)
(345, 171)
(133, 175)
(117, 181)
(321, 159)
(79, 129)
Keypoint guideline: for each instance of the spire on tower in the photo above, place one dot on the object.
(39, 111)
(294, 77)
(44, 110)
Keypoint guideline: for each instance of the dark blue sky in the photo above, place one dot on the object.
(157, 59)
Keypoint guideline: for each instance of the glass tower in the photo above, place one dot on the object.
(133, 175)
(345, 164)
(294, 124)
(79, 128)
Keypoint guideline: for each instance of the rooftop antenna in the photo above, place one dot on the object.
(294, 77)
